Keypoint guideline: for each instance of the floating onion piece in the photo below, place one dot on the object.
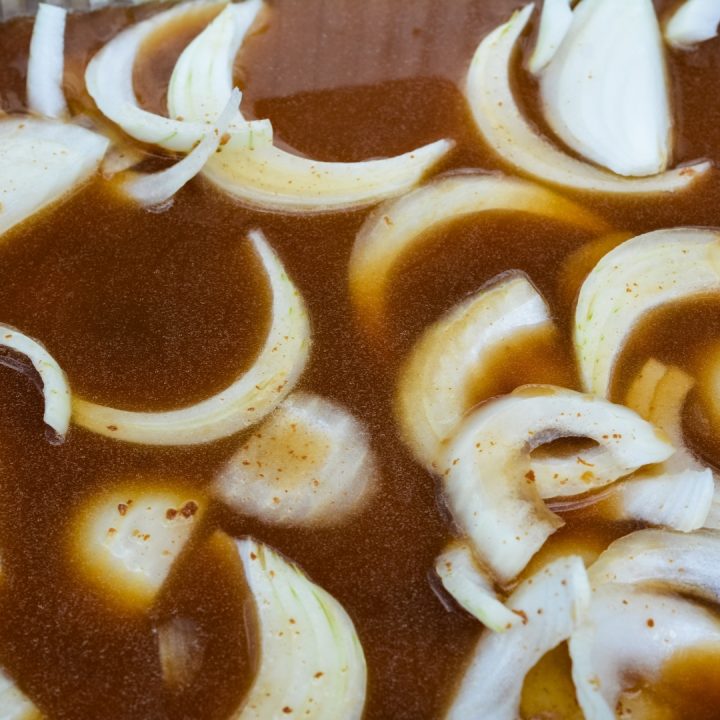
(158, 188)
(434, 384)
(311, 661)
(46, 62)
(503, 126)
(180, 648)
(246, 401)
(56, 390)
(128, 540)
(489, 482)
(693, 22)
(309, 463)
(550, 604)
(555, 20)
(40, 161)
(395, 227)
(14, 705)
(119, 158)
(605, 90)
(642, 274)
(472, 587)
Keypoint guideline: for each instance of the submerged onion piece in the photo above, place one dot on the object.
(56, 390)
(180, 648)
(435, 382)
(246, 401)
(500, 121)
(472, 587)
(640, 275)
(309, 463)
(40, 161)
(555, 20)
(14, 705)
(551, 604)
(127, 540)
(397, 226)
(693, 22)
(311, 661)
(489, 482)
(46, 62)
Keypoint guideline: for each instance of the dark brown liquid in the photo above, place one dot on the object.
(155, 310)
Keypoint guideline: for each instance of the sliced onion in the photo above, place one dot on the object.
(46, 62)
(246, 401)
(693, 22)
(397, 226)
(472, 587)
(433, 391)
(605, 90)
(551, 603)
(311, 660)
(180, 648)
(119, 158)
(489, 482)
(501, 123)
(56, 390)
(644, 273)
(14, 705)
(40, 161)
(309, 463)
(555, 20)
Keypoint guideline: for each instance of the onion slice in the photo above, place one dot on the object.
(311, 660)
(693, 22)
(434, 383)
(489, 482)
(180, 648)
(555, 20)
(246, 401)
(397, 226)
(46, 63)
(309, 463)
(14, 705)
(500, 121)
(56, 390)
(642, 274)
(551, 604)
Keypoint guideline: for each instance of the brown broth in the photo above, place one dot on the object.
(155, 310)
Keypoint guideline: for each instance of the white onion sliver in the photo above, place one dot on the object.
(46, 62)
(555, 20)
(14, 704)
(693, 22)
(180, 649)
(245, 402)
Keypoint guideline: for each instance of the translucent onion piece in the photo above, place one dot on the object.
(605, 90)
(397, 226)
(628, 633)
(180, 648)
(640, 275)
(311, 661)
(551, 603)
(501, 123)
(46, 62)
(490, 485)
(246, 401)
(14, 705)
(472, 587)
(119, 158)
(40, 161)
(128, 540)
(109, 80)
(693, 22)
(434, 384)
(555, 21)
(56, 390)
(309, 463)
(157, 188)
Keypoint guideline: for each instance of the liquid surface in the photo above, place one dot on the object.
(156, 310)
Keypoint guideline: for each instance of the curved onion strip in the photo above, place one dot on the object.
(56, 390)
(630, 632)
(109, 80)
(605, 90)
(40, 161)
(472, 587)
(640, 275)
(252, 396)
(46, 62)
(158, 188)
(311, 660)
(693, 22)
(501, 123)
(488, 480)
(395, 227)
(551, 603)
(555, 20)
(309, 463)
(14, 705)
(434, 383)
